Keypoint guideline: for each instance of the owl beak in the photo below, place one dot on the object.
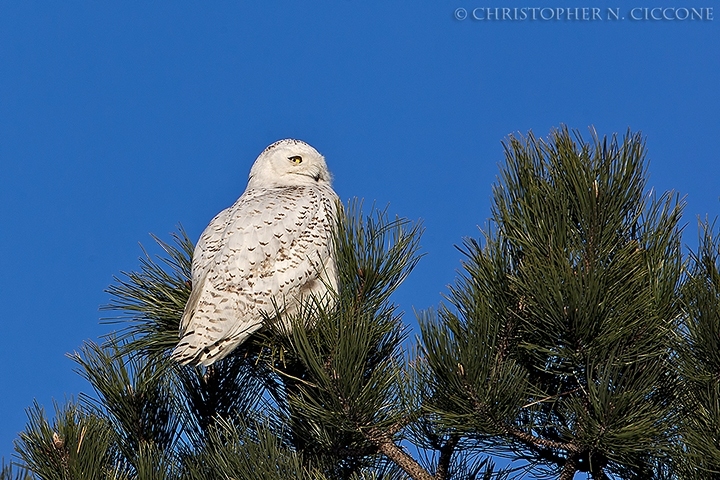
(315, 174)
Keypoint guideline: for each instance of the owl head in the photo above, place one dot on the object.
(286, 163)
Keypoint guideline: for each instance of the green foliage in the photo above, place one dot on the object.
(234, 450)
(76, 445)
(151, 302)
(575, 339)
(135, 397)
(227, 391)
(308, 403)
(561, 340)
(342, 375)
(700, 360)
(7, 472)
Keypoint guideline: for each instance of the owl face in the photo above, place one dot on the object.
(289, 162)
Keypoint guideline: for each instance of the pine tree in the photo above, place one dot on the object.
(323, 401)
(574, 340)
(700, 362)
(558, 346)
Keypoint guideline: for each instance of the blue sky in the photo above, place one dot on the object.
(124, 118)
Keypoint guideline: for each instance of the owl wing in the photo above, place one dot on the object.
(263, 249)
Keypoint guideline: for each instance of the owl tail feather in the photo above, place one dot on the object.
(191, 352)
(195, 349)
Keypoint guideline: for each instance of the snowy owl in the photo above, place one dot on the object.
(272, 247)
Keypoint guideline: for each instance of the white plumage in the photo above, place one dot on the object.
(274, 245)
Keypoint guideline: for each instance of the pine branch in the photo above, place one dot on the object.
(135, 397)
(75, 445)
(151, 301)
(235, 449)
(569, 469)
(538, 443)
(342, 360)
(8, 472)
(700, 359)
(446, 452)
(564, 319)
(229, 389)
(409, 465)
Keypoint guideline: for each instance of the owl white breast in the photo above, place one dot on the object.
(272, 247)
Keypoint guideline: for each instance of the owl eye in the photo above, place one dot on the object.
(296, 159)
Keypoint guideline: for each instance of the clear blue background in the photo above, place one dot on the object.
(121, 118)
